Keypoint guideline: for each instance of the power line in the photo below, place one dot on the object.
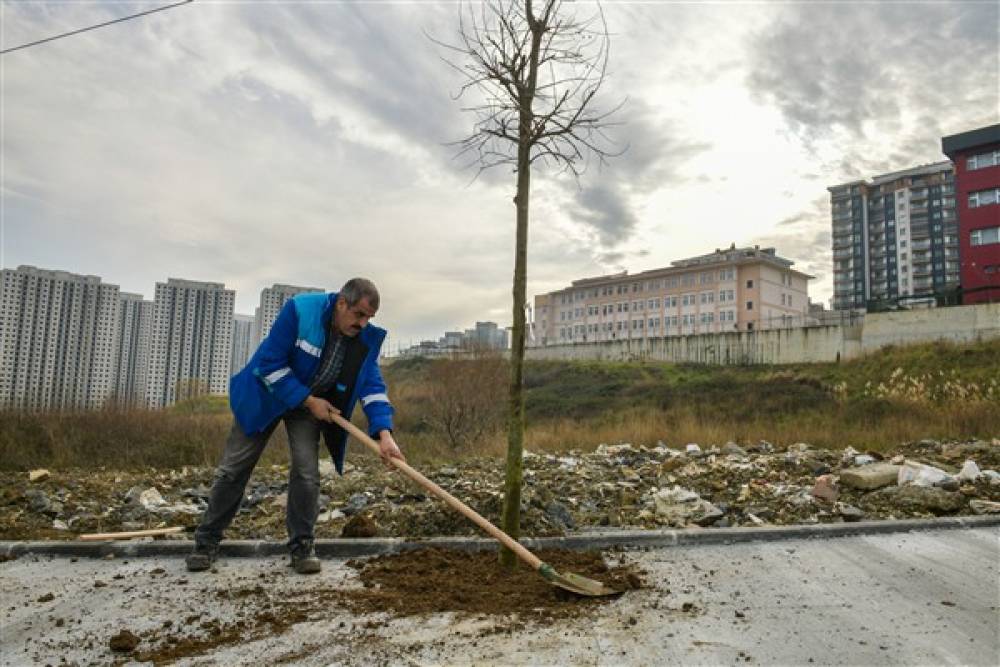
(94, 27)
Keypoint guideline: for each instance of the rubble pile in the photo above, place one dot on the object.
(616, 486)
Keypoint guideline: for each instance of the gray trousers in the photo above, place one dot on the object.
(238, 460)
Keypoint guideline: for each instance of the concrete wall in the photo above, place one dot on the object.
(786, 346)
(960, 324)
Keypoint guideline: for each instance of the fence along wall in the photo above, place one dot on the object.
(800, 345)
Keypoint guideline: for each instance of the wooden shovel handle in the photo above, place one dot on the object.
(503, 538)
(152, 532)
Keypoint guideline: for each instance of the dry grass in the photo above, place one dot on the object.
(838, 427)
(902, 395)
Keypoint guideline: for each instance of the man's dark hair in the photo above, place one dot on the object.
(356, 289)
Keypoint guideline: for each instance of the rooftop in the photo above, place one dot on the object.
(721, 256)
(983, 136)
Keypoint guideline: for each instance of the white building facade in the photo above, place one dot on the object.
(271, 300)
(57, 339)
(192, 341)
(134, 325)
(243, 343)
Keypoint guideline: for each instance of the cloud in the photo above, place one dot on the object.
(607, 201)
(805, 238)
(860, 73)
(253, 143)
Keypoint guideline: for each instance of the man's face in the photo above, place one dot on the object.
(349, 320)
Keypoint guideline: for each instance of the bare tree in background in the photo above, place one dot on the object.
(532, 77)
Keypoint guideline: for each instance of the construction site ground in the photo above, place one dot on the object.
(924, 597)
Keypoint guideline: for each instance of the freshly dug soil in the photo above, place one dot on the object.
(360, 525)
(437, 580)
(123, 642)
(424, 581)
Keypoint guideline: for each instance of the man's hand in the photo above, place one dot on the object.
(320, 408)
(388, 448)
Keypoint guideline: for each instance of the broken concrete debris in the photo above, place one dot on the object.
(870, 476)
(39, 475)
(615, 486)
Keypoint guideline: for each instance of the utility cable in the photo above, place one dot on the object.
(94, 27)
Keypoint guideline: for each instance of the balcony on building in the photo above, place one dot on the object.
(842, 229)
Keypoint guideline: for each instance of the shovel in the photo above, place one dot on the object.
(568, 581)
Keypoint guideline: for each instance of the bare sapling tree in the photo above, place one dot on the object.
(532, 72)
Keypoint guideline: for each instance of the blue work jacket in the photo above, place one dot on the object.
(277, 377)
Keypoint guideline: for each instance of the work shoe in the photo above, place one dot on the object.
(304, 559)
(202, 558)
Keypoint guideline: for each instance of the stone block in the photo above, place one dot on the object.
(869, 477)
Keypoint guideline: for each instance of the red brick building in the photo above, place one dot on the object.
(976, 155)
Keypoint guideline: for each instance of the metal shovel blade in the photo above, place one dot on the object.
(576, 583)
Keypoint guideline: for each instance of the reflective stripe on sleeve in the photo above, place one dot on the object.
(308, 347)
(372, 398)
(271, 378)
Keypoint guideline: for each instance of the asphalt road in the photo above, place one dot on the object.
(922, 598)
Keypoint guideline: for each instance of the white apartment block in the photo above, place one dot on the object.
(737, 289)
(192, 341)
(57, 339)
(133, 339)
(895, 238)
(271, 300)
(243, 347)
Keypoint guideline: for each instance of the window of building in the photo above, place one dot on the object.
(749, 284)
(984, 197)
(985, 236)
(749, 305)
(983, 160)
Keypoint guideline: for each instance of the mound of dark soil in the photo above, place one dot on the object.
(437, 580)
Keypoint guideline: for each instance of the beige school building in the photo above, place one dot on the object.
(734, 289)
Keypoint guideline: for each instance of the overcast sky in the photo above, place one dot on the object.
(306, 142)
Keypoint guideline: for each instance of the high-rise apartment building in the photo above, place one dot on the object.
(271, 300)
(134, 324)
(976, 155)
(243, 347)
(57, 339)
(486, 335)
(192, 341)
(895, 238)
(727, 290)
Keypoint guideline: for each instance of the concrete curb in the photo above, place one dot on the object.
(625, 539)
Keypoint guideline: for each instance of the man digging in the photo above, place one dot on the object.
(320, 357)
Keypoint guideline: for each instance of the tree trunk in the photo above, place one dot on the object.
(515, 415)
(511, 518)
